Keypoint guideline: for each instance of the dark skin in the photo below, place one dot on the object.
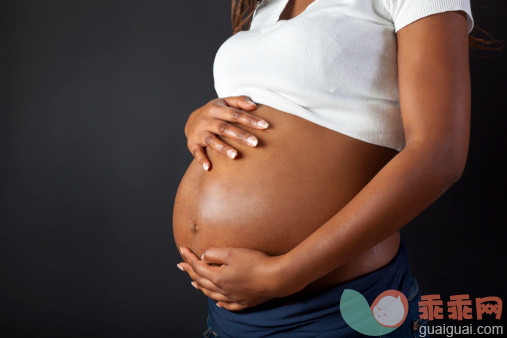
(434, 87)
(275, 195)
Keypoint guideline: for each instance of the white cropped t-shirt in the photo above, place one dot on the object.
(334, 64)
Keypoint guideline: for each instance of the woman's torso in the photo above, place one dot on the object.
(274, 196)
(325, 84)
(332, 62)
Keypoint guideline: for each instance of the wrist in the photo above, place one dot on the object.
(289, 276)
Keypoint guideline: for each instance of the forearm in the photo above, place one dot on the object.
(407, 185)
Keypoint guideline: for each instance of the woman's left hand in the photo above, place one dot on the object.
(237, 278)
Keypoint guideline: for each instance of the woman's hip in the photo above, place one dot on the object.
(371, 260)
(324, 313)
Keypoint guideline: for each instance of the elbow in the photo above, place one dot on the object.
(445, 173)
(443, 161)
(454, 174)
(453, 165)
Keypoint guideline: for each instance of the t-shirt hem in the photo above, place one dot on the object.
(276, 101)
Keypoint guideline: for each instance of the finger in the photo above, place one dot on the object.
(188, 254)
(241, 102)
(199, 267)
(201, 281)
(217, 256)
(211, 294)
(224, 128)
(201, 158)
(238, 116)
(213, 142)
(231, 306)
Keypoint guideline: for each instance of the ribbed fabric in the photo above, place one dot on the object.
(335, 64)
(405, 12)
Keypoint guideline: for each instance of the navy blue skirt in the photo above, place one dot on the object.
(318, 314)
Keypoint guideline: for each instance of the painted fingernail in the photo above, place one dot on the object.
(218, 305)
(194, 285)
(252, 140)
(181, 250)
(263, 124)
(232, 153)
(251, 102)
(202, 256)
(205, 166)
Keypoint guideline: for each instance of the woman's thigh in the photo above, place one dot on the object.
(209, 333)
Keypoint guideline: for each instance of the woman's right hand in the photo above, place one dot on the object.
(215, 118)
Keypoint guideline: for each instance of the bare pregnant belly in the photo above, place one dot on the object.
(275, 195)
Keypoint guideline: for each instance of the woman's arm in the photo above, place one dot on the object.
(435, 104)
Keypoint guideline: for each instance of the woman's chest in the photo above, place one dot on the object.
(326, 43)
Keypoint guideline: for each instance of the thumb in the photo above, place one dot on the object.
(216, 256)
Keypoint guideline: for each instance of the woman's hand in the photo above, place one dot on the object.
(215, 118)
(238, 278)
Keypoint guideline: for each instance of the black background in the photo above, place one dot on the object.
(94, 98)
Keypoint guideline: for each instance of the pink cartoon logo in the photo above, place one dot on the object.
(390, 308)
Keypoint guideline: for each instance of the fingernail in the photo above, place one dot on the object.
(194, 285)
(205, 166)
(231, 153)
(202, 256)
(251, 102)
(252, 140)
(181, 250)
(217, 305)
(263, 124)
(180, 267)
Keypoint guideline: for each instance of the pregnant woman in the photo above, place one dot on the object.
(337, 122)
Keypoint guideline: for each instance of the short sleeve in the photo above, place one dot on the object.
(404, 12)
